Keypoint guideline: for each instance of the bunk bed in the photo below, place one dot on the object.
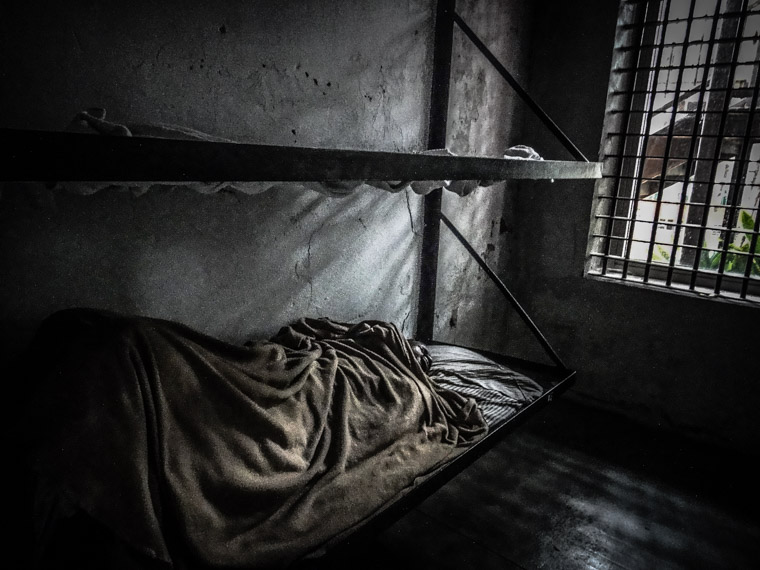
(475, 396)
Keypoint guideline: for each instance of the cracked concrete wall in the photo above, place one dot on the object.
(335, 72)
(317, 73)
(485, 118)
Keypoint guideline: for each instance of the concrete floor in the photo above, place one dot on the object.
(579, 488)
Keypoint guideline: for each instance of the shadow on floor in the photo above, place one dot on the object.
(579, 488)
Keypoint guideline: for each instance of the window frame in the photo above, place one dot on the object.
(640, 37)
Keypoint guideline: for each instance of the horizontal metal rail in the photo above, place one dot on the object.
(63, 156)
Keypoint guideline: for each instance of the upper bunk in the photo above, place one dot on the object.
(102, 160)
(63, 156)
(70, 156)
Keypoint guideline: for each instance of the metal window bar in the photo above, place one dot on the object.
(691, 159)
(727, 14)
(692, 42)
(685, 93)
(647, 128)
(628, 169)
(673, 156)
(753, 258)
(673, 179)
(736, 189)
(662, 243)
(729, 148)
(635, 70)
(663, 266)
(708, 112)
(695, 204)
(717, 151)
(704, 276)
(705, 281)
(668, 144)
(620, 163)
(683, 270)
(674, 224)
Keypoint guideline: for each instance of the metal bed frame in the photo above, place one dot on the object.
(554, 379)
(58, 156)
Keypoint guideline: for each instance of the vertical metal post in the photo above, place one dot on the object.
(708, 152)
(668, 147)
(651, 90)
(628, 124)
(699, 119)
(439, 109)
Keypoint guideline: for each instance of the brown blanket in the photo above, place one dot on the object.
(235, 456)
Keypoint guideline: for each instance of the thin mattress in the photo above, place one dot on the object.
(499, 391)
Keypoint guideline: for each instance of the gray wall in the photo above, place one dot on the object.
(345, 74)
(683, 363)
(485, 118)
(239, 266)
(316, 73)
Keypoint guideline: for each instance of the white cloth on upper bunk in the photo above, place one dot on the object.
(522, 152)
(94, 119)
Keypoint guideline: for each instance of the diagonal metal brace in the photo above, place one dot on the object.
(506, 292)
(539, 112)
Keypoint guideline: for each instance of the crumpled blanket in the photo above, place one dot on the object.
(93, 120)
(194, 450)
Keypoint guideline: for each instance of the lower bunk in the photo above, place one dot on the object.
(155, 446)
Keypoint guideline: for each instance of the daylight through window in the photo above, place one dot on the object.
(678, 205)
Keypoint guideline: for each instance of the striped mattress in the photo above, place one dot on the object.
(499, 391)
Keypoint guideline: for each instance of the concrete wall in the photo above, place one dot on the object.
(317, 73)
(679, 362)
(485, 118)
(351, 74)
(343, 74)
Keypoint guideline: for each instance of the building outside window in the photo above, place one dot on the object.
(679, 204)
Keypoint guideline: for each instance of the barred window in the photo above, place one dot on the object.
(678, 204)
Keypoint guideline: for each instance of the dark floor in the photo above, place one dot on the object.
(579, 488)
(574, 488)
